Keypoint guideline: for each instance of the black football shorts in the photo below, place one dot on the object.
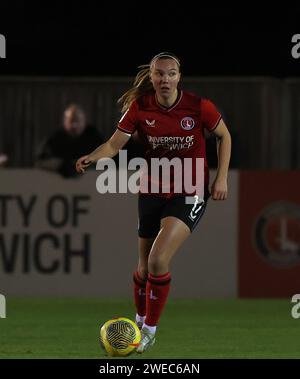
(153, 208)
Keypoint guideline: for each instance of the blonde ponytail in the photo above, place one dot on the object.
(142, 83)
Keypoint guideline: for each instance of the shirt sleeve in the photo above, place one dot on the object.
(129, 120)
(209, 114)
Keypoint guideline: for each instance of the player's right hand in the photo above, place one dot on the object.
(82, 163)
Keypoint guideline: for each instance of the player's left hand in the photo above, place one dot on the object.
(219, 189)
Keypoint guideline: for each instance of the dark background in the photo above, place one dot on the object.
(96, 38)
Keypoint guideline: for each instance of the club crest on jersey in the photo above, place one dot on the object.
(187, 123)
(150, 123)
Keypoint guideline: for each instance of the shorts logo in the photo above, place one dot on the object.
(196, 208)
(187, 123)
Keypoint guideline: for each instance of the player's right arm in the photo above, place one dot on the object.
(107, 150)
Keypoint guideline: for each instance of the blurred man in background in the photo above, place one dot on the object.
(3, 159)
(61, 150)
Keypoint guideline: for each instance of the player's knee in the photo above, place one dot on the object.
(157, 264)
(143, 272)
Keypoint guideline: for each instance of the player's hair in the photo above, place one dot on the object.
(142, 83)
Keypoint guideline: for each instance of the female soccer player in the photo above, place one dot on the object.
(172, 123)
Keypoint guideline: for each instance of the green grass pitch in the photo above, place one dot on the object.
(69, 328)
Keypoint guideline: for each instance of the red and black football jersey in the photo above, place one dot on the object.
(177, 131)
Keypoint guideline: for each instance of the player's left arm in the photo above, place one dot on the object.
(219, 187)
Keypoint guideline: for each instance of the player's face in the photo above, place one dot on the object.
(165, 76)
